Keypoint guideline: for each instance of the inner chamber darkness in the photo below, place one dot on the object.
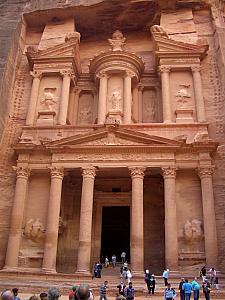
(115, 232)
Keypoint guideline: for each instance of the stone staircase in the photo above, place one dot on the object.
(34, 282)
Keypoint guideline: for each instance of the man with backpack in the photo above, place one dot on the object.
(129, 292)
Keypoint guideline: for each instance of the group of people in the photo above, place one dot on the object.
(114, 259)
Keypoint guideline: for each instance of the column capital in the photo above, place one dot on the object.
(102, 74)
(137, 171)
(196, 68)
(129, 73)
(56, 172)
(169, 172)
(67, 73)
(22, 172)
(164, 69)
(205, 171)
(77, 90)
(88, 171)
(36, 74)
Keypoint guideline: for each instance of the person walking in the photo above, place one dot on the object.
(181, 289)
(212, 275)
(203, 273)
(103, 291)
(129, 292)
(187, 288)
(124, 276)
(106, 262)
(169, 293)
(129, 276)
(206, 289)
(113, 260)
(15, 294)
(123, 257)
(147, 280)
(195, 288)
(121, 288)
(166, 276)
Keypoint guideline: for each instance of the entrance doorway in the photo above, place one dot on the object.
(115, 236)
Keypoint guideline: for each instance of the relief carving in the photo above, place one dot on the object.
(49, 99)
(117, 41)
(158, 31)
(193, 230)
(34, 230)
(149, 109)
(85, 115)
(115, 100)
(183, 95)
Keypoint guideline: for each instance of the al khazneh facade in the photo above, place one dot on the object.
(114, 123)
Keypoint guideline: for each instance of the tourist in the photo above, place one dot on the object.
(72, 293)
(113, 260)
(129, 276)
(152, 285)
(181, 289)
(166, 276)
(195, 288)
(123, 257)
(120, 297)
(106, 262)
(99, 270)
(103, 291)
(147, 279)
(125, 265)
(124, 276)
(187, 288)
(206, 289)
(129, 292)
(15, 294)
(7, 295)
(121, 288)
(34, 297)
(169, 293)
(43, 296)
(83, 292)
(53, 293)
(203, 273)
(216, 282)
(212, 275)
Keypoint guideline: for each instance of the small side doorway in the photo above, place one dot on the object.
(115, 236)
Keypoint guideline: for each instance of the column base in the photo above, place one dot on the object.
(86, 273)
(47, 270)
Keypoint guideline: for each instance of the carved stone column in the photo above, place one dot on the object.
(171, 242)
(52, 226)
(17, 216)
(208, 206)
(200, 105)
(127, 98)
(137, 225)
(65, 93)
(135, 109)
(33, 97)
(76, 104)
(165, 77)
(103, 88)
(140, 102)
(84, 250)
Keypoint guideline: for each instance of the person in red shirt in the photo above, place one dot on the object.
(72, 294)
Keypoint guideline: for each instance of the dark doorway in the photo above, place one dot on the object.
(115, 231)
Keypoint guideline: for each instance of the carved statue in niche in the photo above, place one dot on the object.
(183, 95)
(149, 109)
(85, 110)
(48, 100)
(34, 230)
(115, 100)
(193, 230)
(117, 41)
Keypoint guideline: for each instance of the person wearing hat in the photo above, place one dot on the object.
(43, 296)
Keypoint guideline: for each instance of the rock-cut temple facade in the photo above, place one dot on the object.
(113, 136)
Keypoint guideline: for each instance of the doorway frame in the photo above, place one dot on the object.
(105, 199)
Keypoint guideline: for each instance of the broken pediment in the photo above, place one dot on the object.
(111, 136)
(68, 50)
(165, 46)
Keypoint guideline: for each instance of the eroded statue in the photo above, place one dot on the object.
(115, 100)
(34, 230)
(48, 100)
(158, 31)
(193, 230)
(117, 41)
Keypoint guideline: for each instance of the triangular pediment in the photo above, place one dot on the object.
(166, 45)
(68, 49)
(111, 137)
